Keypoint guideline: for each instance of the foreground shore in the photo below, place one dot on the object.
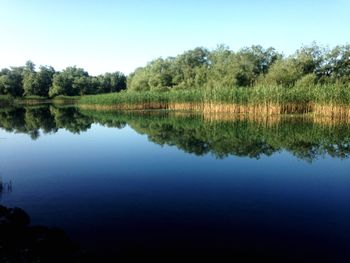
(22, 242)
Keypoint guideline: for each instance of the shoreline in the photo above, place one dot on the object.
(326, 110)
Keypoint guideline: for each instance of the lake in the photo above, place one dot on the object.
(175, 183)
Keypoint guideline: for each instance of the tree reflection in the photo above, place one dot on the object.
(305, 138)
(46, 119)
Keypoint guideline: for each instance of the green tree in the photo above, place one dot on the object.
(139, 80)
(220, 71)
(69, 82)
(30, 81)
(111, 82)
(261, 58)
(187, 66)
(309, 59)
(284, 72)
(82, 85)
(336, 66)
(160, 73)
(45, 76)
(243, 69)
(11, 81)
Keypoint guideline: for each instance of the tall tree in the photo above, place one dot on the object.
(68, 82)
(11, 81)
(111, 82)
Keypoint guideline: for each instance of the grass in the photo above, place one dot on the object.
(321, 94)
(132, 97)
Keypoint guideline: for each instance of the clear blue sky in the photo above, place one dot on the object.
(121, 35)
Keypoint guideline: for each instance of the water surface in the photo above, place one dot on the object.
(179, 183)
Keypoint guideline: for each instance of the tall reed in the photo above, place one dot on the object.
(266, 98)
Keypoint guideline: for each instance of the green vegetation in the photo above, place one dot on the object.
(261, 94)
(26, 82)
(253, 66)
(250, 76)
(133, 97)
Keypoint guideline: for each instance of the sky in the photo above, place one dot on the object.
(106, 36)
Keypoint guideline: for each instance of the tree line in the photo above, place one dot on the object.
(46, 82)
(218, 68)
(250, 66)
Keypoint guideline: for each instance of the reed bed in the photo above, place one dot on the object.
(332, 100)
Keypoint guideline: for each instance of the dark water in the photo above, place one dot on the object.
(160, 183)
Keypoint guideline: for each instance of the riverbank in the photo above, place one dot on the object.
(37, 100)
(225, 111)
(332, 101)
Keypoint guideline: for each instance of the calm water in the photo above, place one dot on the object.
(160, 182)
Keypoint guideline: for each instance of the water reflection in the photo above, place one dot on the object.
(5, 187)
(305, 138)
(117, 193)
(48, 119)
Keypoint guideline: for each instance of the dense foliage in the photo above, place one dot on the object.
(26, 81)
(224, 68)
(312, 73)
(251, 75)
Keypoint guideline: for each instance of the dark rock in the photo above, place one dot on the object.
(14, 216)
(18, 216)
(3, 210)
(20, 242)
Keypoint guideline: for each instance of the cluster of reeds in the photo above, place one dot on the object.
(264, 99)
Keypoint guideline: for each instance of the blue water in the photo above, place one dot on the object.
(114, 191)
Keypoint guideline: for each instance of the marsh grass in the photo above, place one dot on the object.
(331, 99)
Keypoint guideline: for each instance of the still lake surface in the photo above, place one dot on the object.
(173, 182)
